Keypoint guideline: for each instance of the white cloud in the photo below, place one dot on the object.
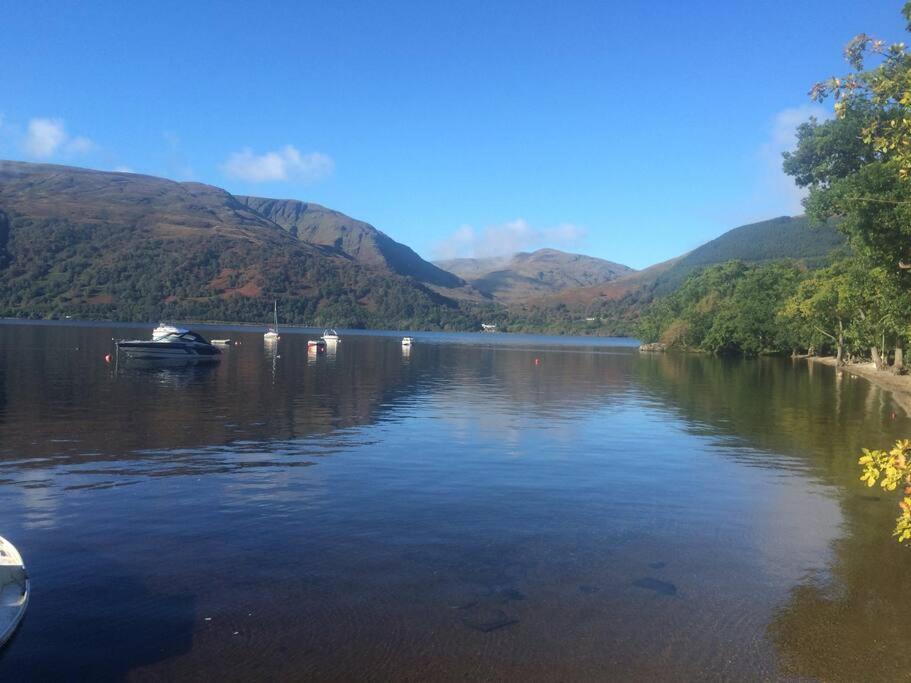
(506, 239)
(46, 137)
(286, 163)
(776, 192)
(79, 145)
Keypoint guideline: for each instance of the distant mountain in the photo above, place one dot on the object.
(614, 306)
(359, 240)
(527, 275)
(133, 247)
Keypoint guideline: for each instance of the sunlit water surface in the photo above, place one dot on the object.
(483, 507)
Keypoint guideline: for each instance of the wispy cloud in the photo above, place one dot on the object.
(774, 187)
(45, 138)
(176, 164)
(287, 163)
(507, 238)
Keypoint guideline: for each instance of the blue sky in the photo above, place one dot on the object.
(632, 131)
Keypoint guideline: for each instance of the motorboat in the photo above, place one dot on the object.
(15, 589)
(331, 336)
(316, 345)
(271, 334)
(221, 342)
(172, 343)
(407, 341)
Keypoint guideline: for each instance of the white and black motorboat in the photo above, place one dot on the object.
(170, 343)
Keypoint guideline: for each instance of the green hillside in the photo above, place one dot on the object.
(130, 247)
(783, 237)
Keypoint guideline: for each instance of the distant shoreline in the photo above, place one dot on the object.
(495, 338)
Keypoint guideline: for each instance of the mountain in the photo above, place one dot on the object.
(614, 307)
(776, 238)
(527, 275)
(134, 247)
(359, 240)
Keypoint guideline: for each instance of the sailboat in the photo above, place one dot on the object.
(272, 334)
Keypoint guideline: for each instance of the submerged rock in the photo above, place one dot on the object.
(657, 585)
(486, 621)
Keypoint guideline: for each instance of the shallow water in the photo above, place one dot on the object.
(485, 507)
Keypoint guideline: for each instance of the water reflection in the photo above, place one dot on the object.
(844, 615)
(382, 511)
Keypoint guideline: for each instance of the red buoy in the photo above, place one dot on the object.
(107, 358)
(537, 361)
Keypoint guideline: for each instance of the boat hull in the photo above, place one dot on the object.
(141, 350)
(15, 590)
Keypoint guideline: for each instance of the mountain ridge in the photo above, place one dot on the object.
(525, 275)
(137, 247)
(317, 224)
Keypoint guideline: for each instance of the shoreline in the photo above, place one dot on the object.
(898, 385)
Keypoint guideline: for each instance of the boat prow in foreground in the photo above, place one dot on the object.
(14, 589)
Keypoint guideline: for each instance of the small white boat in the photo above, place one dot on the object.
(316, 345)
(407, 341)
(331, 336)
(221, 342)
(14, 589)
(272, 333)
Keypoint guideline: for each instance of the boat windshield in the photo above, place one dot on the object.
(183, 336)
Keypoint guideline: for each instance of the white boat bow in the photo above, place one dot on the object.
(14, 589)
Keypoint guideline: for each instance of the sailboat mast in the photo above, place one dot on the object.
(275, 306)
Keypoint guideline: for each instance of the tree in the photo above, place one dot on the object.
(858, 167)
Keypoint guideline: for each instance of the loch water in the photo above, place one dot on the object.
(483, 507)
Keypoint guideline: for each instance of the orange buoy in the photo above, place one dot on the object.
(537, 361)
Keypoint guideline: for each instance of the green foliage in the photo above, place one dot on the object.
(110, 271)
(770, 240)
(731, 308)
(891, 469)
(851, 306)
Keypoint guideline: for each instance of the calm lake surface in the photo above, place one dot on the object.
(460, 512)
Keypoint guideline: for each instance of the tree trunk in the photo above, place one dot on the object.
(840, 345)
(877, 360)
(899, 358)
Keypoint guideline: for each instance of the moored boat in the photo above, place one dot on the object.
(272, 333)
(173, 343)
(316, 345)
(407, 341)
(15, 589)
(331, 336)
